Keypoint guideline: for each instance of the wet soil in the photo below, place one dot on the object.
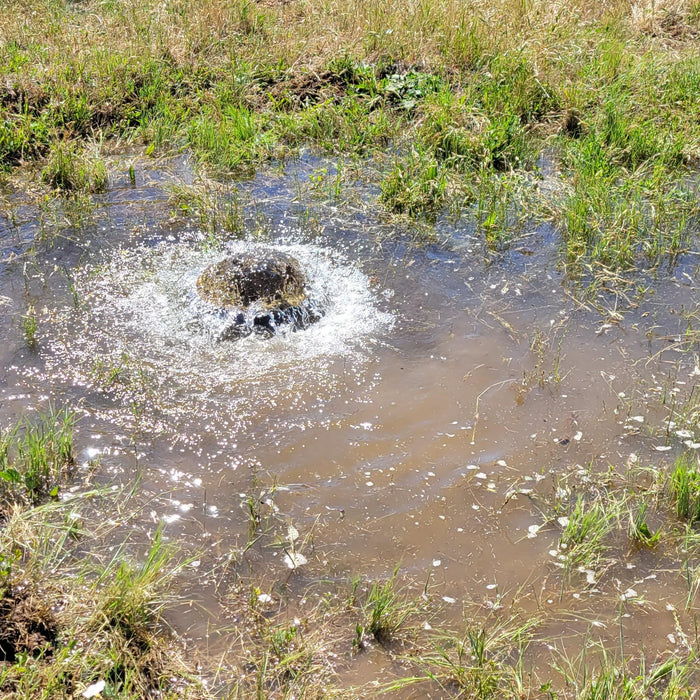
(27, 624)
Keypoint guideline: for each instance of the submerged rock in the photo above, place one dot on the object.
(258, 294)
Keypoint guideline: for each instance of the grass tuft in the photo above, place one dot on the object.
(386, 610)
(36, 457)
(70, 170)
(685, 487)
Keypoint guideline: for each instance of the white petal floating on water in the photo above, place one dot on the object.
(637, 419)
(481, 475)
(449, 599)
(684, 433)
(264, 598)
(436, 562)
(292, 533)
(563, 521)
(629, 593)
(662, 448)
(295, 559)
(578, 436)
(94, 690)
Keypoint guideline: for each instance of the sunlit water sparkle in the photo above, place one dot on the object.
(141, 334)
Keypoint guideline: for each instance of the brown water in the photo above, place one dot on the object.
(428, 419)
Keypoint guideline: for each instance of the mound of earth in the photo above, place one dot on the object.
(258, 293)
(275, 280)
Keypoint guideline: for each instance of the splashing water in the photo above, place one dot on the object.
(145, 336)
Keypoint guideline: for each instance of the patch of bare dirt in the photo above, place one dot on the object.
(27, 624)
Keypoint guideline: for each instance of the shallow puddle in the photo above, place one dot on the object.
(430, 419)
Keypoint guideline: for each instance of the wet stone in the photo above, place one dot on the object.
(258, 294)
(275, 280)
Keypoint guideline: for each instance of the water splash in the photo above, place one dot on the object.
(143, 335)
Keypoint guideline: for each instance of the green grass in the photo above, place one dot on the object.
(72, 618)
(29, 326)
(685, 487)
(453, 119)
(69, 622)
(385, 610)
(69, 170)
(583, 540)
(639, 531)
(36, 457)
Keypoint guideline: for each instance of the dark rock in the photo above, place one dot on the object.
(257, 294)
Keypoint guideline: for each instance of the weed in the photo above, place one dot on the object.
(386, 610)
(29, 326)
(685, 487)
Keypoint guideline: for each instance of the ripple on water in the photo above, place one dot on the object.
(141, 335)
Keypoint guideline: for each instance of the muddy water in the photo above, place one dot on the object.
(428, 419)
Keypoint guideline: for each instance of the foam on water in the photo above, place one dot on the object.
(142, 329)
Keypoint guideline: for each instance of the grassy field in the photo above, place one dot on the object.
(457, 105)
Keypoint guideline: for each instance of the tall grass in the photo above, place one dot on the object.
(610, 88)
(36, 456)
(685, 487)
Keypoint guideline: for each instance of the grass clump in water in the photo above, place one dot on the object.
(584, 537)
(36, 457)
(685, 487)
(415, 186)
(639, 530)
(71, 170)
(385, 611)
(29, 327)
